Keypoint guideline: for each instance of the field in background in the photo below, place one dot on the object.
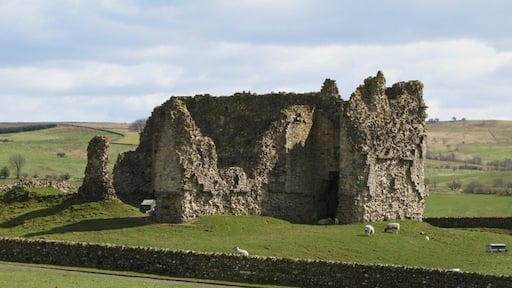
(467, 205)
(474, 155)
(62, 150)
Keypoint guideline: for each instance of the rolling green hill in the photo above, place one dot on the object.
(61, 150)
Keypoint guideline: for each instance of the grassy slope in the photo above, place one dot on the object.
(40, 149)
(114, 222)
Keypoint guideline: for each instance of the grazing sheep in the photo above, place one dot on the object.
(392, 226)
(369, 230)
(240, 252)
(428, 238)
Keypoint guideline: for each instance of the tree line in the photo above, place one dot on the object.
(26, 128)
(499, 186)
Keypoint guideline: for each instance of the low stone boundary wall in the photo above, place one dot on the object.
(35, 182)
(252, 269)
(471, 222)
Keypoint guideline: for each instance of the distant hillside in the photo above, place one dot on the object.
(470, 156)
(21, 124)
(100, 125)
(60, 151)
(487, 139)
(24, 127)
(442, 135)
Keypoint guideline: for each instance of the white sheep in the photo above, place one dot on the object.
(240, 252)
(392, 226)
(369, 230)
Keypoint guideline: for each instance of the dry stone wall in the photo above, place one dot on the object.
(35, 182)
(300, 157)
(253, 269)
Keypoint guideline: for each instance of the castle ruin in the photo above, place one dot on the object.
(97, 184)
(299, 157)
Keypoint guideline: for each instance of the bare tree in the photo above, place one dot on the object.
(17, 161)
(138, 125)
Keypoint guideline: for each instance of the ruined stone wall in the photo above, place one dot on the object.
(300, 157)
(244, 154)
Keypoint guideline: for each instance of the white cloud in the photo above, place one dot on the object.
(132, 54)
(72, 76)
(119, 108)
(144, 103)
(456, 73)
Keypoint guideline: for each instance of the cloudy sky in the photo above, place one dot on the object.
(101, 60)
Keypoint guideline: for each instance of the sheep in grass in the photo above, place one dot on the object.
(392, 227)
(240, 252)
(369, 230)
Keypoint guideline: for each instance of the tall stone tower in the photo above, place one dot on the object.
(383, 143)
(97, 184)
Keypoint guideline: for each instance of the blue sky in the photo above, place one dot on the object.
(93, 60)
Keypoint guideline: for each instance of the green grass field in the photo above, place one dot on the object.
(68, 218)
(466, 141)
(40, 149)
(51, 215)
(46, 279)
(467, 205)
(49, 276)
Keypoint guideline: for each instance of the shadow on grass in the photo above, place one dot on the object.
(81, 226)
(19, 220)
(91, 225)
